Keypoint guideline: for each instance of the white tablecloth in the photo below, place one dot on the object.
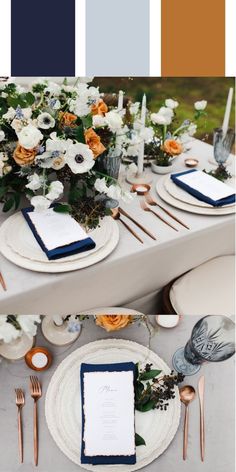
(133, 270)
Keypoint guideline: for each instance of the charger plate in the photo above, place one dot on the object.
(63, 403)
(64, 264)
(184, 196)
(166, 197)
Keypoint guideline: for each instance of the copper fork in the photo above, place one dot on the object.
(153, 202)
(36, 393)
(2, 282)
(145, 207)
(20, 401)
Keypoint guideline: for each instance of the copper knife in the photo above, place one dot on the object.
(124, 213)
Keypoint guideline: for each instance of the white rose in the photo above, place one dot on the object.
(201, 105)
(29, 137)
(160, 119)
(40, 203)
(99, 121)
(100, 185)
(167, 112)
(114, 121)
(172, 104)
(35, 182)
(2, 135)
(114, 191)
(55, 190)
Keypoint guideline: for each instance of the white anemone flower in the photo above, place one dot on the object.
(79, 158)
(45, 121)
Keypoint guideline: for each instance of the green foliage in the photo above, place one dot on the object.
(139, 441)
(62, 208)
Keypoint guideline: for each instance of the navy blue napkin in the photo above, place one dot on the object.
(199, 195)
(62, 251)
(100, 460)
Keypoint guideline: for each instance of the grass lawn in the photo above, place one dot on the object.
(186, 90)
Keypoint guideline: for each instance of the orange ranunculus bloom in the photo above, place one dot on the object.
(172, 147)
(94, 142)
(113, 322)
(100, 109)
(67, 119)
(24, 157)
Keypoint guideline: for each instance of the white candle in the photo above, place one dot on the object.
(120, 100)
(58, 320)
(227, 111)
(141, 147)
(39, 360)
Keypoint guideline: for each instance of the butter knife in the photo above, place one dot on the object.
(201, 391)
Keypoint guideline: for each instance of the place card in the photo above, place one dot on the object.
(108, 433)
(205, 187)
(58, 234)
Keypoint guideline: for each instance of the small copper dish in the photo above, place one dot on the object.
(191, 162)
(140, 189)
(38, 358)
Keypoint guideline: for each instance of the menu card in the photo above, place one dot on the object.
(108, 432)
(205, 187)
(58, 234)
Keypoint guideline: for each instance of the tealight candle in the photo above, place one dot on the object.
(191, 162)
(38, 358)
(140, 189)
(167, 321)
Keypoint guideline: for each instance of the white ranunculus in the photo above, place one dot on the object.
(7, 331)
(10, 114)
(27, 112)
(192, 129)
(79, 158)
(40, 203)
(167, 112)
(35, 182)
(28, 324)
(99, 121)
(200, 105)
(134, 108)
(147, 134)
(55, 190)
(100, 185)
(159, 119)
(172, 104)
(53, 88)
(17, 125)
(114, 191)
(2, 135)
(29, 137)
(45, 121)
(114, 121)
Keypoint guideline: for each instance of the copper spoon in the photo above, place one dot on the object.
(187, 395)
(116, 216)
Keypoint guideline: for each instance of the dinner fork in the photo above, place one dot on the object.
(153, 202)
(145, 207)
(20, 401)
(36, 393)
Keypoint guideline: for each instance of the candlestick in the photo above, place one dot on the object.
(227, 111)
(120, 100)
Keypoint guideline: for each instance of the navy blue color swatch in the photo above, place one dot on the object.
(42, 38)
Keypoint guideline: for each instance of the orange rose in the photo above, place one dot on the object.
(100, 109)
(24, 157)
(67, 119)
(172, 147)
(113, 322)
(94, 142)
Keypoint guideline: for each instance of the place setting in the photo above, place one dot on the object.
(112, 403)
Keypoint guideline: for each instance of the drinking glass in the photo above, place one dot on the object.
(222, 145)
(212, 340)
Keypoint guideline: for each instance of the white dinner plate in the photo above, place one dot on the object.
(23, 242)
(62, 265)
(63, 403)
(186, 197)
(166, 197)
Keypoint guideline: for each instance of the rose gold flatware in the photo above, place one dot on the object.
(20, 401)
(36, 393)
(2, 282)
(116, 216)
(153, 202)
(201, 389)
(124, 213)
(187, 395)
(145, 207)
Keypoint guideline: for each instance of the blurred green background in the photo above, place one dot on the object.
(186, 90)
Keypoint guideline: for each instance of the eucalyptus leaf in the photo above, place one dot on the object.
(146, 407)
(151, 374)
(139, 441)
(62, 208)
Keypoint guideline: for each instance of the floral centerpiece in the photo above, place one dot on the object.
(50, 138)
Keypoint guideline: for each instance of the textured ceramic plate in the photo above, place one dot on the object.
(166, 197)
(63, 403)
(183, 196)
(59, 266)
(22, 241)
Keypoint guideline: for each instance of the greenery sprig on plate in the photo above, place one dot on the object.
(153, 391)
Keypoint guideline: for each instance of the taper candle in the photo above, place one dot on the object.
(141, 147)
(227, 111)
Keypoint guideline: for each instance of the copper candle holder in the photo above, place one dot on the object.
(38, 358)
